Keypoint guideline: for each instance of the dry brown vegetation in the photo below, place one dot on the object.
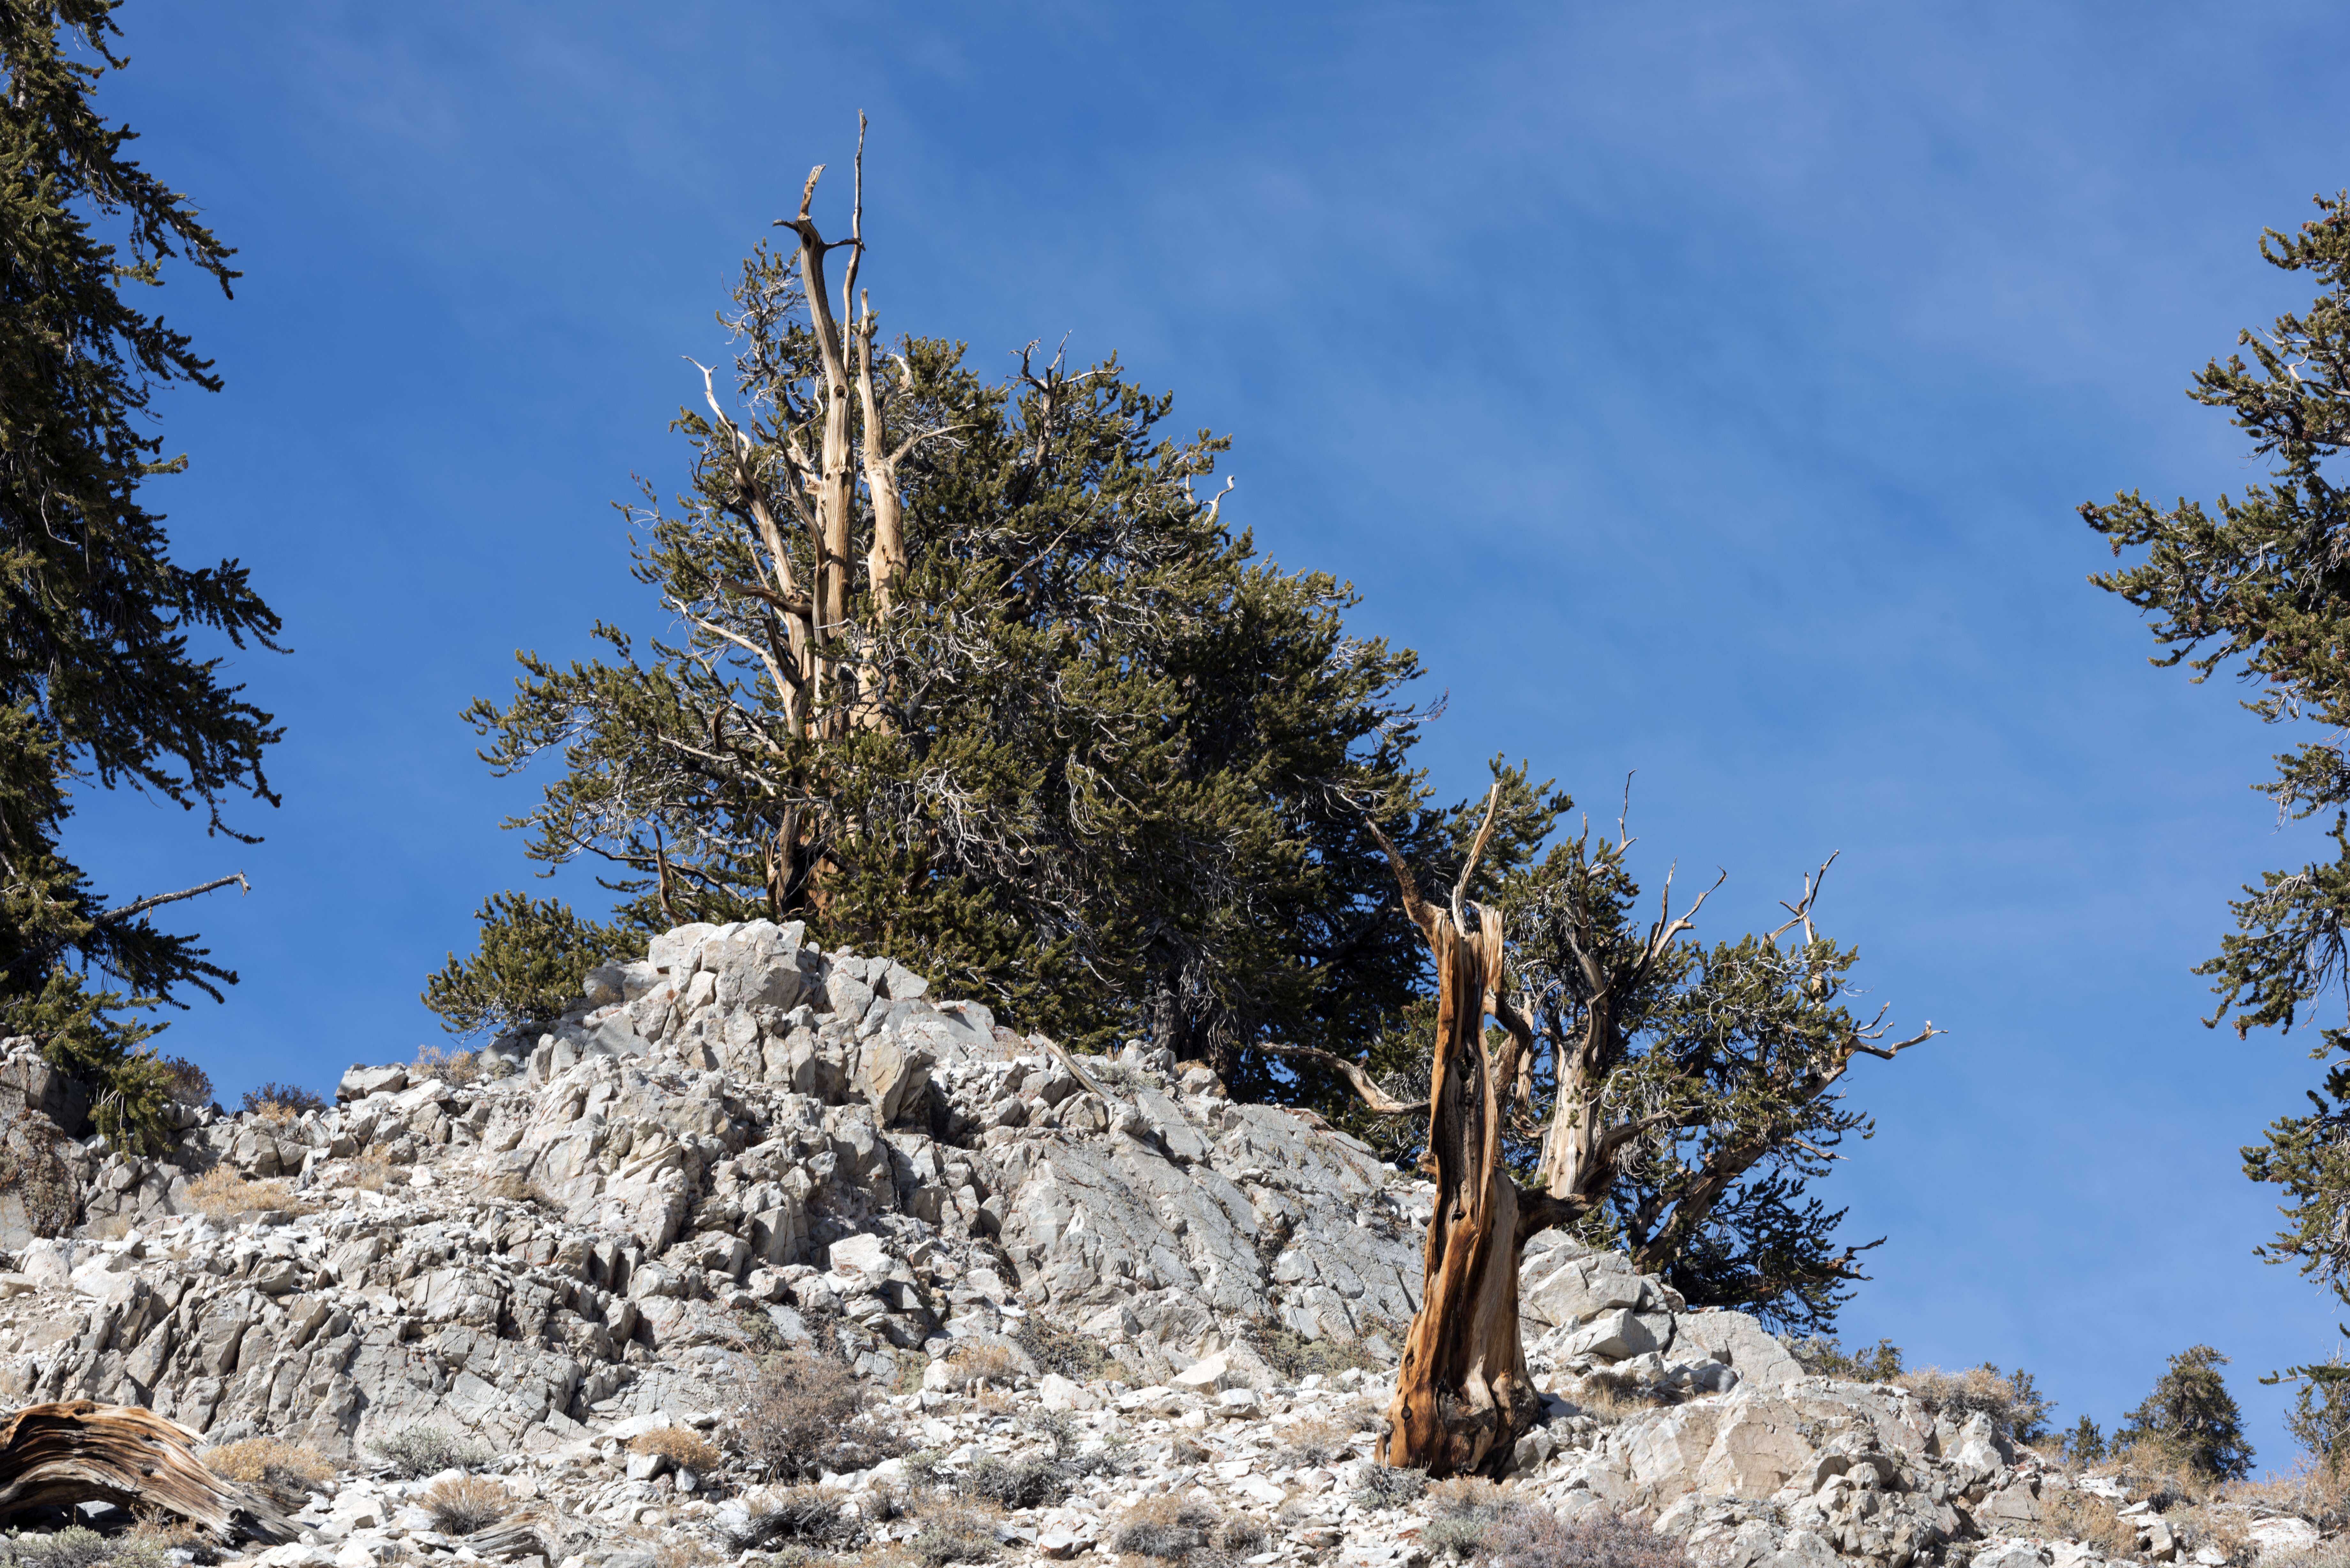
(1537, 1538)
(224, 1192)
(955, 1533)
(274, 1102)
(2015, 1408)
(2308, 1489)
(992, 1362)
(512, 1187)
(808, 1413)
(1167, 1527)
(463, 1505)
(1319, 1442)
(682, 1446)
(2080, 1516)
(287, 1471)
(372, 1172)
(449, 1065)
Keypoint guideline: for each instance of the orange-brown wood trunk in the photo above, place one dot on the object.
(1463, 1395)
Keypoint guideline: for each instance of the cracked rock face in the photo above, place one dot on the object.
(600, 1226)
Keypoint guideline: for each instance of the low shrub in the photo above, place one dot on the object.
(808, 1413)
(287, 1471)
(1318, 1441)
(1821, 1355)
(2016, 1407)
(682, 1446)
(804, 1513)
(278, 1101)
(1461, 1512)
(415, 1452)
(1013, 1483)
(451, 1066)
(1536, 1538)
(987, 1360)
(950, 1534)
(1241, 1535)
(1056, 1347)
(188, 1084)
(1296, 1357)
(77, 1546)
(1385, 1486)
(463, 1505)
(224, 1192)
(1166, 1527)
(372, 1172)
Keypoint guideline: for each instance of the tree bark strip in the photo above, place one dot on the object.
(1463, 1395)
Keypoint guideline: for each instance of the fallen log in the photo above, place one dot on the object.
(56, 1455)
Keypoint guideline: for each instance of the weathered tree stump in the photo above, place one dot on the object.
(56, 1456)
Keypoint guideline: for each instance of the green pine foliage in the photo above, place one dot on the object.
(2085, 1445)
(2257, 585)
(98, 682)
(532, 959)
(2190, 1418)
(1096, 761)
(1737, 1052)
(2320, 1420)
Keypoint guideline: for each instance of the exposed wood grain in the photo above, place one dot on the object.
(56, 1456)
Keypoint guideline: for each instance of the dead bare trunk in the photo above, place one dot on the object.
(56, 1456)
(1463, 1397)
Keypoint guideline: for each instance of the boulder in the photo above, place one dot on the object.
(1616, 1336)
(1737, 1340)
(358, 1083)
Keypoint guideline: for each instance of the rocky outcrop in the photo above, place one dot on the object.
(599, 1226)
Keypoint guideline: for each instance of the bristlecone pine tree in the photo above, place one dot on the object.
(2257, 585)
(97, 679)
(1676, 1100)
(2190, 1418)
(970, 674)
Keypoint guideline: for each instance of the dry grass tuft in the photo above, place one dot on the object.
(287, 1471)
(2309, 1489)
(1317, 1442)
(504, 1187)
(682, 1446)
(994, 1363)
(1606, 1403)
(223, 1193)
(371, 1172)
(463, 1505)
(2083, 1517)
(1296, 1357)
(451, 1066)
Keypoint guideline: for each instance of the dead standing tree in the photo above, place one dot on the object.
(1463, 1395)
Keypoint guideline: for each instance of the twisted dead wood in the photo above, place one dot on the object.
(56, 1456)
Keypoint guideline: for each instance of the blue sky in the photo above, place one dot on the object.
(1703, 390)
